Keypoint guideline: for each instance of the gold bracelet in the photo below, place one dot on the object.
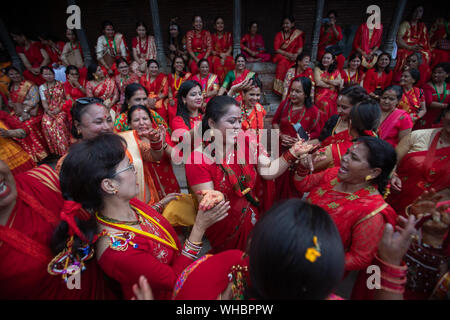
(407, 210)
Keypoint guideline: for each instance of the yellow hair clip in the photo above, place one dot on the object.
(313, 253)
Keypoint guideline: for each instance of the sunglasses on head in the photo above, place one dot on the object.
(89, 100)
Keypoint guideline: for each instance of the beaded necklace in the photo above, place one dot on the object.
(175, 82)
(300, 118)
(437, 92)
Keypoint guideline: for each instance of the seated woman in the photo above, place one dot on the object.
(352, 75)
(131, 238)
(415, 61)
(198, 43)
(125, 77)
(12, 133)
(234, 172)
(379, 77)
(208, 81)
(288, 44)
(328, 80)
(221, 57)
(337, 128)
(74, 88)
(366, 42)
(54, 121)
(300, 69)
(144, 49)
(135, 94)
(157, 86)
(423, 164)
(296, 118)
(72, 54)
(30, 206)
(439, 39)
(238, 75)
(330, 35)
(24, 102)
(177, 42)
(32, 55)
(395, 123)
(352, 194)
(54, 48)
(437, 97)
(102, 87)
(412, 36)
(110, 47)
(252, 45)
(413, 100)
(176, 79)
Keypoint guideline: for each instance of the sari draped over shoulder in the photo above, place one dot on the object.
(156, 88)
(411, 101)
(439, 42)
(394, 123)
(256, 44)
(209, 83)
(221, 45)
(106, 90)
(433, 117)
(326, 98)
(200, 45)
(175, 83)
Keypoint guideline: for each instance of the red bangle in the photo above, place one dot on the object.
(396, 281)
(386, 285)
(390, 269)
(156, 146)
(289, 157)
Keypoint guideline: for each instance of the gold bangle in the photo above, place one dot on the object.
(407, 210)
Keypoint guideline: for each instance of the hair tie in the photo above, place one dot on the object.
(72, 209)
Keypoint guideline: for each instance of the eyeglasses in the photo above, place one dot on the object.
(89, 100)
(131, 166)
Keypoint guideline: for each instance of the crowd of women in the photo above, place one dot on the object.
(360, 177)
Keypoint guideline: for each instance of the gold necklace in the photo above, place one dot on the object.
(112, 220)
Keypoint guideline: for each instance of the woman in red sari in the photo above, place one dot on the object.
(234, 172)
(238, 75)
(125, 77)
(353, 196)
(330, 34)
(198, 43)
(296, 118)
(252, 45)
(379, 77)
(54, 122)
(366, 42)
(300, 69)
(133, 238)
(415, 61)
(352, 75)
(413, 100)
(24, 101)
(328, 81)
(74, 89)
(221, 57)
(103, 87)
(208, 81)
(144, 49)
(54, 49)
(33, 56)
(72, 54)
(423, 162)
(288, 44)
(157, 86)
(412, 37)
(395, 123)
(29, 214)
(135, 94)
(437, 97)
(439, 42)
(12, 133)
(176, 79)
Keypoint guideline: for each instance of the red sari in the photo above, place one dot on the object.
(56, 127)
(155, 88)
(291, 44)
(421, 170)
(366, 42)
(221, 45)
(158, 258)
(36, 145)
(72, 94)
(106, 90)
(430, 119)
(439, 41)
(413, 35)
(34, 56)
(350, 80)
(255, 43)
(198, 44)
(25, 245)
(425, 75)
(209, 83)
(398, 120)
(355, 215)
(312, 121)
(175, 83)
(328, 38)
(326, 98)
(411, 101)
(122, 83)
(374, 81)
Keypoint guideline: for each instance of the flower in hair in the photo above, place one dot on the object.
(314, 252)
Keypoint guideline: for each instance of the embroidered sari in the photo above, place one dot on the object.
(106, 90)
(366, 40)
(351, 80)
(360, 216)
(36, 145)
(232, 79)
(433, 117)
(10, 149)
(25, 245)
(398, 120)
(411, 101)
(292, 73)
(157, 254)
(122, 83)
(155, 88)
(439, 42)
(72, 93)
(198, 44)
(175, 83)
(311, 119)
(35, 58)
(209, 83)
(112, 49)
(291, 44)
(413, 35)
(145, 50)
(374, 81)
(221, 45)
(55, 127)
(423, 168)
(255, 43)
(326, 98)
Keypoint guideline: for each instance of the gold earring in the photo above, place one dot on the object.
(369, 177)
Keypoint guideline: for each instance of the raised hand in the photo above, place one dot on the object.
(207, 218)
(301, 148)
(210, 199)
